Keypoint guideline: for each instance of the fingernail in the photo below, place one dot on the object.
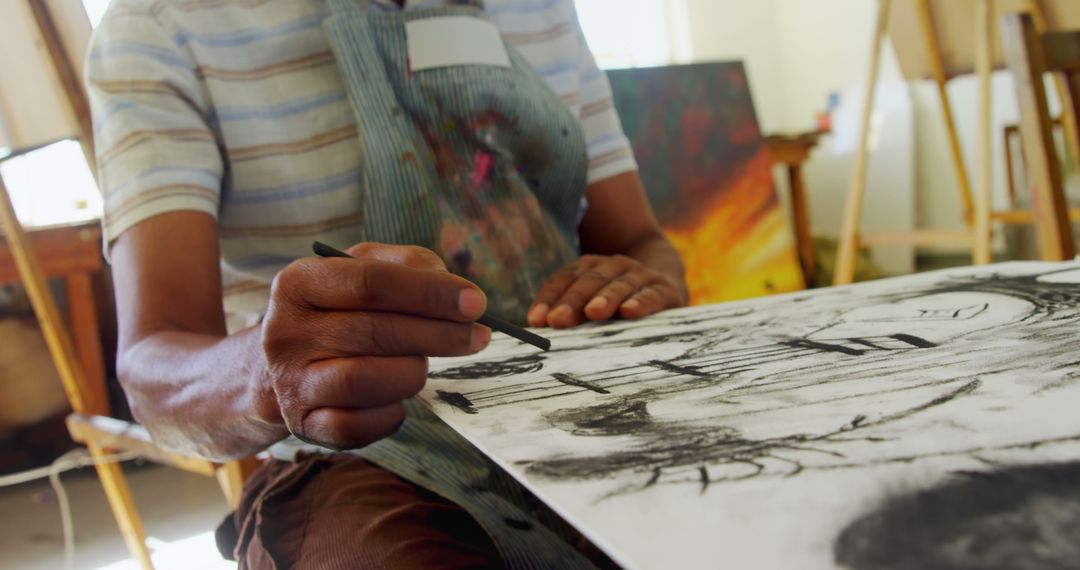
(632, 305)
(562, 311)
(597, 304)
(537, 314)
(471, 303)
(481, 336)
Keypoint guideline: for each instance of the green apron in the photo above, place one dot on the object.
(486, 166)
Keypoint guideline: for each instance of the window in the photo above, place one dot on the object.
(95, 9)
(53, 184)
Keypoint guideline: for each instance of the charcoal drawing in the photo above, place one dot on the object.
(1019, 517)
(740, 416)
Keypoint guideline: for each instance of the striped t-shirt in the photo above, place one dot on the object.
(237, 109)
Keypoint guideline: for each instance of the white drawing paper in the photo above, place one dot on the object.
(788, 432)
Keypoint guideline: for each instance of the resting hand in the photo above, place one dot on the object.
(346, 340)
(597, 287)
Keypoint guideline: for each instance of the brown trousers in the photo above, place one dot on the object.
(342, 512)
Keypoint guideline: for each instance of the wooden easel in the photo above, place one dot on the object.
(90, 423)
(977, 211)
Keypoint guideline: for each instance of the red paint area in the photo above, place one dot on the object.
(483, 163)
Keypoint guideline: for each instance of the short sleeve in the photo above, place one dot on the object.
(155, 150)
(608, 148)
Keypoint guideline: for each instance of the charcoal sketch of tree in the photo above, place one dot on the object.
(769, 391)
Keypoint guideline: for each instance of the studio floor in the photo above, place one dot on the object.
(180, 511)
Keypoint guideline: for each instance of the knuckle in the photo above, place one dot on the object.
(620, 287)
(289, 279)
(328, 430)
(389, 422)
(365, 289)
(460, 337)
(379, 339)
(343, 382)
(436, 300)
(362, 249)
(631, 279)
(416, 256)
(361, 428)
(573, 297)
(594, 274)
(416, 367)
(295, 414)
(283, 330)
(277, 338)
(331, 429)
(564, 274)
(652, 294)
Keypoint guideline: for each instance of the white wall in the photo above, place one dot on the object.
(939, 201)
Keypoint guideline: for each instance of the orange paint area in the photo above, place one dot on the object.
(741, 245)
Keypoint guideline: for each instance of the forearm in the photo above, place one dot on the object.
(202, 394)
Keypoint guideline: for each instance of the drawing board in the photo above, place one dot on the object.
(33, 107)
(954, 22)
(799, 430)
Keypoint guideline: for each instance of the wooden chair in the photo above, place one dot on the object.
(1015, 215)
(91, 423)
(1030, 56)
(792, 151)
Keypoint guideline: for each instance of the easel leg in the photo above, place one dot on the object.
(938, 65)
(844, 271)
(231, 477)
(123, 508)
(984, 33)
(1048, 196)
(1068, 113)
(84, 330)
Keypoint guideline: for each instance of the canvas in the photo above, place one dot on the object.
(708, 175)
(914, 422)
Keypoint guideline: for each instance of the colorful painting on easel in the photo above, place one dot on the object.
(709, 177)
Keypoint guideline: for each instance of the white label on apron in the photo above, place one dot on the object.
(455, 40)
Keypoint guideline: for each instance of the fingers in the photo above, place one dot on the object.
(342, 428)
(408, 255)
(548, 294)
(334, 334)
(569, 309)
(351, 402)
(608, 300)
(346, 339)
(652, 298)
(599, 287)
(377, 285)
(560, 303)
(363, 382)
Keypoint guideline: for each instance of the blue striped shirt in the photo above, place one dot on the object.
(236, 108)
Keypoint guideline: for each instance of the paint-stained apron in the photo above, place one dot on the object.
(486, 166)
